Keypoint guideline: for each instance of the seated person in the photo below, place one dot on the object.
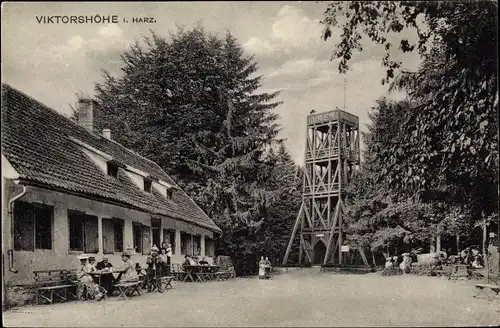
(127, 270)
(476, 264)
(103, 264)
(203, 261)
(107, 280)
(92, 264)
(86, 286)
(188, 260)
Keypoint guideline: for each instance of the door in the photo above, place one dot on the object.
(146, 240)
(137, 231)
(155, 228)
(319, 252)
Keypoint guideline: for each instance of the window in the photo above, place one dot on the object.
(147, 185)
(83, 232)
(112, 169)
(112, 235)
(186, 248)
(169, 237)
(209, 247)
(196, 245)
(32, 226)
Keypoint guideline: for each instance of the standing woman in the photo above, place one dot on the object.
(169, 256)
(262, 270)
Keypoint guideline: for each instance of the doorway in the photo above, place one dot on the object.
(319, 252)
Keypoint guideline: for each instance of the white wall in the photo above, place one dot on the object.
(60, 257)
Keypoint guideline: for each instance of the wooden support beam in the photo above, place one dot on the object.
(363, 256)
(294, 231)
(332, 230)
(306, 250)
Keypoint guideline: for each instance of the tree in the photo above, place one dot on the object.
(191, 104)
(448, 146)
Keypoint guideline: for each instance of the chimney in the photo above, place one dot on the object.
(86, 113)
(106, 133)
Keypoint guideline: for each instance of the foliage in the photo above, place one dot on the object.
(447, 149)
(190, 103)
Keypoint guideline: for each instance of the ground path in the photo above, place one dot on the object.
(302, 298)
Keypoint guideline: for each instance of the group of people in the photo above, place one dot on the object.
(87, 288)
(158, 265)
(189, 260)
(395, 263)
(264, 268)
(470, 256)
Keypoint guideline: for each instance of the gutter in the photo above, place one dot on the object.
(106, 200)
(10, 252)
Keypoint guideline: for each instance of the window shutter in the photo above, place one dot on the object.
(91, 234)
(108, 236)
(24, 227)
(146, 240)
(118, 234)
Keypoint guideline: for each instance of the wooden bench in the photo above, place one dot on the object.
(129, 287)
(166, 281)
(177, 272)
(52, 285)
(459, 271)
(484, 287)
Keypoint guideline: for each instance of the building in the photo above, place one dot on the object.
(67, 191)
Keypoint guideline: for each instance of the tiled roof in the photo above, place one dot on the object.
(36, 141)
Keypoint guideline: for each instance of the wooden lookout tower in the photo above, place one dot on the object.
(332, 154)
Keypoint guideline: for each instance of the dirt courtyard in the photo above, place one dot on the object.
(301, 298)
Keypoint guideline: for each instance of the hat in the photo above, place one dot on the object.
(154, 248)
(83, 257)
(126, 254)
(91, 257)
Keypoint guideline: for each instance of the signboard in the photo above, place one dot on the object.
(345, 248)
(320, 235)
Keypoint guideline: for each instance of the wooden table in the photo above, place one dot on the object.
(99, 274)
(211, 270)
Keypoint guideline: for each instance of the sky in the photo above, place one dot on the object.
(55, 62)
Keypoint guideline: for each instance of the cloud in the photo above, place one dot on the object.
(292, 29)
(109, 38)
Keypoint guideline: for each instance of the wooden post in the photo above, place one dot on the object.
(485, 232)
(458, 244)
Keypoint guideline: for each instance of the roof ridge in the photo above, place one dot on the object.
(31, 98)
(79, 126)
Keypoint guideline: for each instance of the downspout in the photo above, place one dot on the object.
(10, 252)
